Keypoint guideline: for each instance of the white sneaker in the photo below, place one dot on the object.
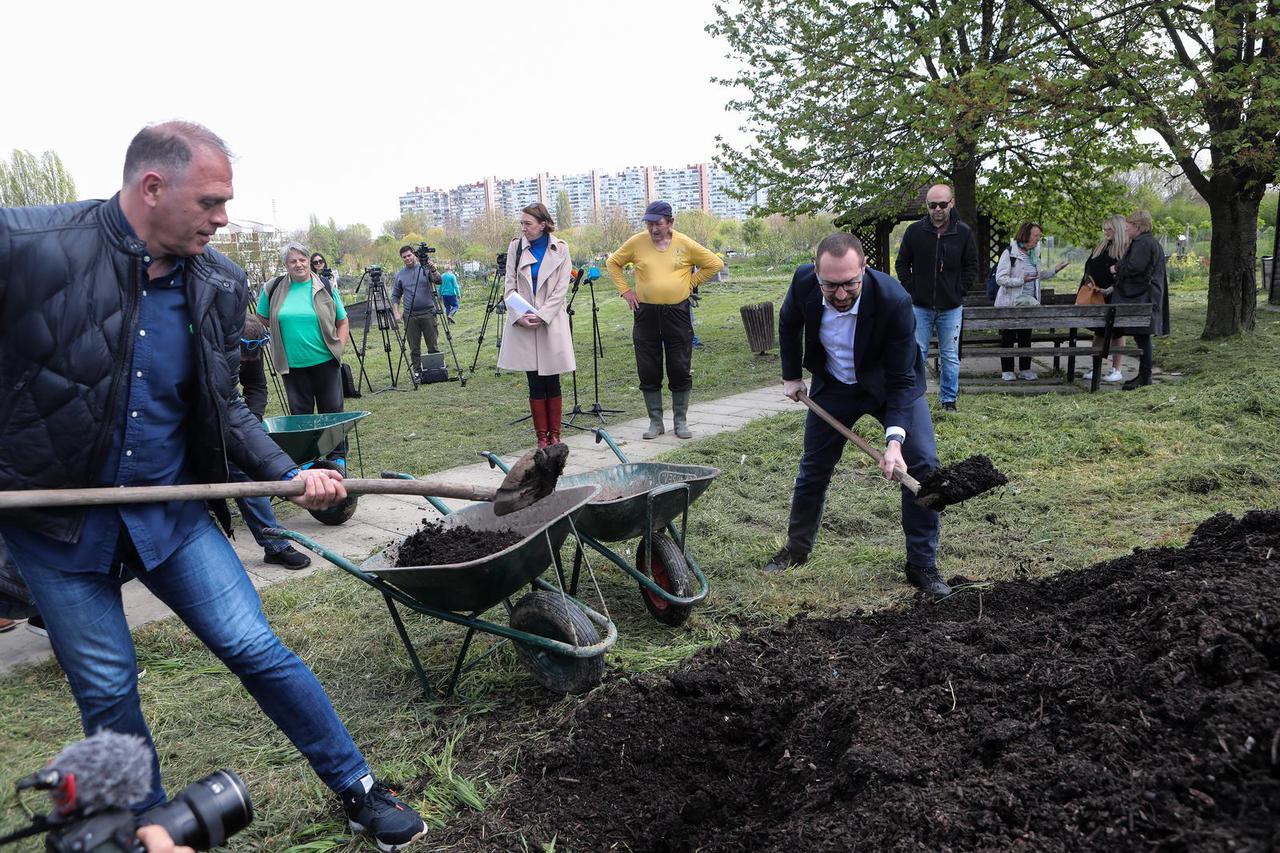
(1088, 374)
(1029, 375)
(1008, 376)
(1114, 376)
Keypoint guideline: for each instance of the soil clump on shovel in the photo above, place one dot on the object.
(958, 482)
(434, 545)
(1130, 706)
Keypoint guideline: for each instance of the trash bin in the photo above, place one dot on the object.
(758, 322)
(1269, 279)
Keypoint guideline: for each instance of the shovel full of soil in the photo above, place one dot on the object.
(948, 485)
(531, 478)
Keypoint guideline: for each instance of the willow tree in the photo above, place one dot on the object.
(865, 101)
(1204, 76)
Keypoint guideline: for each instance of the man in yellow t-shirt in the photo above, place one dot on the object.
(668, 266)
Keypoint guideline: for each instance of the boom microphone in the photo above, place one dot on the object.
(108, 770)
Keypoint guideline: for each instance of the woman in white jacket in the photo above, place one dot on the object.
(1019, 275)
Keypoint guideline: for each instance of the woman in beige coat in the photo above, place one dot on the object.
(539, 341)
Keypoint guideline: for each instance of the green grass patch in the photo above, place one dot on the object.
(1091, 477)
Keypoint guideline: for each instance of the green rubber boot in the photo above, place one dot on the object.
(680, 413)
(653, 402)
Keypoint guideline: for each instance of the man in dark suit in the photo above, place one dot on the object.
(853, 328)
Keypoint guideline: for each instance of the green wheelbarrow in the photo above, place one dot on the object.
(308, 440)
(555, 635)
(642, 500)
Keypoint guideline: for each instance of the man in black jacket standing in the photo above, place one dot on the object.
(119, 358)
(851, 326)
(937, 264)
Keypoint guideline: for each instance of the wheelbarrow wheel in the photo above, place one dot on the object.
(546, 614)
(671, 572)
(335, 515)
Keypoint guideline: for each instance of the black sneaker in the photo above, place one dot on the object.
(291, 558)
(928, 579)
(784, 559)
(36, 626)
(949, 406)
(381, 815)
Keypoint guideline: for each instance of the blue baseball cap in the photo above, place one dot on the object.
(657, 210)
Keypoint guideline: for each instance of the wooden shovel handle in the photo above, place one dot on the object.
(899, 474)
(32, 498)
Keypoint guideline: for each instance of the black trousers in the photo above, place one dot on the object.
(1144, 360)
(663, 330)
(542, 387)
(1023, 338)
(316, 389)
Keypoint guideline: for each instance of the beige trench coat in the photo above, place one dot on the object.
(547, 349)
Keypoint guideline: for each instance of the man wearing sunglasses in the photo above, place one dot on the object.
(852, 327)
(938, 264)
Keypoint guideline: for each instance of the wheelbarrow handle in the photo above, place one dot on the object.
(898, 474)
(32, 498)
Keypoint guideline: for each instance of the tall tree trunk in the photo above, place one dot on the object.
(964, 180)
(1233, 252)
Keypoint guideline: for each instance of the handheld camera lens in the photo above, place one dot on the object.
(206, 813)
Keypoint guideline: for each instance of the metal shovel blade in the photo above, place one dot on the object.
(531, 479)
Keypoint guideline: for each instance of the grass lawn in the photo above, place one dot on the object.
(1092, 476)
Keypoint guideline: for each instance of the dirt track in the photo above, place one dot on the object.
(1131, 706)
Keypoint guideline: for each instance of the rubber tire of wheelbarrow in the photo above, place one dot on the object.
(545, 614)
(674, 576)
(334, 515)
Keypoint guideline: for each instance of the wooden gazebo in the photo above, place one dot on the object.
(873, 224)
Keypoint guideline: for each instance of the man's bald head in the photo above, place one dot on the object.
(168, 148)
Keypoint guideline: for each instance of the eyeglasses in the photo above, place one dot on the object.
(319, 261)
(937, 205)
(251, 344)
(851, 286)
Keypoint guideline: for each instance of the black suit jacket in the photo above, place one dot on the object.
(885, 355)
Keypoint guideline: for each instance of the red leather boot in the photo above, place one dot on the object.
(553, 420)
(538, 408)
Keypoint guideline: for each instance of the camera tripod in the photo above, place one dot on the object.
(494, 305)
(379, 305)
(597, 352)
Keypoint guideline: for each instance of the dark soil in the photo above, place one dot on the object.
(1134, 705)
(433, 545)
(958, 482)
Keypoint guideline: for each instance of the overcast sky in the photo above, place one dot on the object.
(338, 108)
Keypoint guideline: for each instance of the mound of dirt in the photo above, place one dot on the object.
(1131, 706)
(432, 544)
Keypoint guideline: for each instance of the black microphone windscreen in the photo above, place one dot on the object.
(112, 770)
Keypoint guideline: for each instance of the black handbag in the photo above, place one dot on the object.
(350, 390)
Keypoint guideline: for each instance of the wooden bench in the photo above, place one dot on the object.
(1066, 344)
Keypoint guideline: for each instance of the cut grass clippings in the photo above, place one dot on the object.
(1091, 477)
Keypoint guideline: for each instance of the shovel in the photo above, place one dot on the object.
(532, 478)
(948, 485)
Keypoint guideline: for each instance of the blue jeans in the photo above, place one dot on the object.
(205, 584)
(947, 325)
(823, 447)
(258, 516)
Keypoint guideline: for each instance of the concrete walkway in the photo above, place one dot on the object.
(381, 519)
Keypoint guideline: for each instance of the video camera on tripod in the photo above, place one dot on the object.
(94, 782)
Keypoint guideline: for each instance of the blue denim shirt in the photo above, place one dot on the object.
(148, 447)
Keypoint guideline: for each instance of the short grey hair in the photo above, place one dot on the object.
(293, 247)
(168, 148)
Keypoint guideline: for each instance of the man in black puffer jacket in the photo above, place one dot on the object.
(937, 264)
(119, 359)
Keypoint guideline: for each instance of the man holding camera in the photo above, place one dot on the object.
(416, 289)
(119, 360)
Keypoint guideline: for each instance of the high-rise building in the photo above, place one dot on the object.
(695, 187)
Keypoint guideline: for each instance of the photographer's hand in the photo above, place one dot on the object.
(157, 840)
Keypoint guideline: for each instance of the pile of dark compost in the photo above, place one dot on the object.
(1134, 705)
(432, 544)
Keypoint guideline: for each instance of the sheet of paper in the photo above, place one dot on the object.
(517, 304)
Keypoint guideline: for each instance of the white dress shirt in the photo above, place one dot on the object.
(836, 330)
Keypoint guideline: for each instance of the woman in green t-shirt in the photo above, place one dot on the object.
(309, 330)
